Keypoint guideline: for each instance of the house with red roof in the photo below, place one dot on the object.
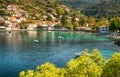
(47, 24)
(14, 25)
(32, 26)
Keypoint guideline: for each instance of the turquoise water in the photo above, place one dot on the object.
(18, 51)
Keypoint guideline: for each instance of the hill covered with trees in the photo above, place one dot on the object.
(96, 8)
(42, 10)
(82, 3)
(33, 6)
(107, 9)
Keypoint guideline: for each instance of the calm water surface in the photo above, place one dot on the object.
(18, 51)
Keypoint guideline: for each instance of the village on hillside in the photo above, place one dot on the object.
(17, 16)
(17, 19)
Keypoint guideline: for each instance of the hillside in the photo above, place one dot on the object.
(79, 4)
(35, 11)
(106, 9)
(36, 6)
(96, 8)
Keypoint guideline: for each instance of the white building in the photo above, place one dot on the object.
(11, 7)
(32, 26)
(2, 27)
(104, 29)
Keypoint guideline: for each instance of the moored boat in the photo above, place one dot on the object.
(60, 37)
(36, 41)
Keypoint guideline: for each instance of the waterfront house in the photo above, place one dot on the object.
(47, 24)
(104, 29)
(14, 25)
(32, 26)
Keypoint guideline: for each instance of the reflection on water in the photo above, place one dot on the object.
(18, 51)
(32, 34)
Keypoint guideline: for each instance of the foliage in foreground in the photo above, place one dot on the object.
(87, 65)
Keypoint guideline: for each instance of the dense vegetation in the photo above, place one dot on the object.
(115, 25)
(32, 6)
(96, 8)
(44, 10)
(107, 9)
(87, 65)
(82, 3)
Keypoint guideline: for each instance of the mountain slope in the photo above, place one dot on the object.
(36, 6)
(82, 3)
(96, 8)
(106, 9)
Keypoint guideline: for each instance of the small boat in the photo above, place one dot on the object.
(60, 37)
(36, 41)
(78, 54)
(81, 53)
(49, 31)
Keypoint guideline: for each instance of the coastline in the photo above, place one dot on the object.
(114, 37)
(110, 36)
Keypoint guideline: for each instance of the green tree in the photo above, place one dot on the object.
(92, 22)
(22, 74)
(23, 25)
(114, 25)
(76, 24)
(2, 12)
(83, 66)
(60, 11)
(97, 57)
(30, 73)
(59, 25)
(103, 22)
(83, 21)
(69, 25)
(50, 70)
(49, 18)
(87, 65)
(112, 67)
(64, 20)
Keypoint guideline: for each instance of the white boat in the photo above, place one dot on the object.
(60, 37)
(36, 41)
(81, 53)
(2, 27)
(49, 31)
(78, 54)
